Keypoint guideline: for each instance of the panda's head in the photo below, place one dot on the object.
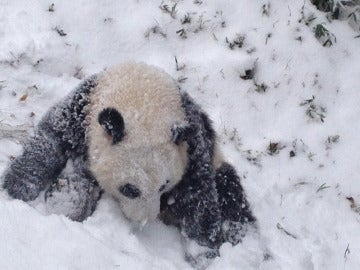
(136, 123)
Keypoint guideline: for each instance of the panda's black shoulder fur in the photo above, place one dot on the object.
(66, 120)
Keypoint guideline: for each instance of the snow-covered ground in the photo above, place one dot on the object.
(286, 109)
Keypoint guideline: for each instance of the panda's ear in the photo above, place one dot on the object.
(113, 123)
(182, 132)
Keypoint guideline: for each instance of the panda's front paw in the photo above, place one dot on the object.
(73, 196)
(20, 188)
(235, 210)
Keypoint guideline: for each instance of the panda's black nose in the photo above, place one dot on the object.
(130, 191)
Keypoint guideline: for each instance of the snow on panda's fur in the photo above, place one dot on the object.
(144, 141)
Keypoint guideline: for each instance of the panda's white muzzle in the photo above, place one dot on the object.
(141, 210)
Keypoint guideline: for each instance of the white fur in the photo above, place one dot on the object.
(150, 104)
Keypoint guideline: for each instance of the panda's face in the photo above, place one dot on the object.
(136, 173)
(134, 152)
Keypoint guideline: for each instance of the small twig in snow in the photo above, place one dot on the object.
(266, 9)
(182, 79)
(281, 228)
(60, 31)
(347, 252)
(165, 8)
(268, 36)
(353, 205)
(322, 187)
(186, 19)
(155, 30)
(51, 8)
(182, 33)
(179, 66)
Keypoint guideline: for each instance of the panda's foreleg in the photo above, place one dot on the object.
(193, 207)
(201, 217)
(40, 163)
(235, 209)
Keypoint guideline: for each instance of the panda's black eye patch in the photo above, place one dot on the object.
(113, 124)
(130, 191)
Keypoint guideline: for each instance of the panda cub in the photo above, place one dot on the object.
(131, 132)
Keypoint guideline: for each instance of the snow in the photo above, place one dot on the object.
(305, 220)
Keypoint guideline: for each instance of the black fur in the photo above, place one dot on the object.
(113, 124)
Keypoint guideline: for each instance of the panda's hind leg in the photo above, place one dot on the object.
(73, 194)
(235, 210)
